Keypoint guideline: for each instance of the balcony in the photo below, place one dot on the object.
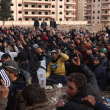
(70, 9)
(88, 9)
(87, 15)
(105, 2)
(32, 16)
(41, 2)
(105, 14)
(106, 8)
(70, 16)
(89, 3)
(47, 9)
(105, 20)
(70, 3)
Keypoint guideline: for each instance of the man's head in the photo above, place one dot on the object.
(54, 54)
(90, 49)
(76, 81)
(43, 20)
(34, 95)
(22, 57)
(6, 57)
(108, 45)
(11, 67)
(96, 59)
(72, 43)
(100, 46)
(102, 52)
(77, 50)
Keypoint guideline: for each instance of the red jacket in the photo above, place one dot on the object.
(45, 38)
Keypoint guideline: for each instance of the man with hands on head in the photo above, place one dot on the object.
(79, 86)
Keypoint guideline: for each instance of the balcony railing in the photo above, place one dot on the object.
(49, 9)
(105, 14)
(33, 1)
(105, 2)
(70, 9)
(36, 16)
(70, 16)
(105, 8)
(70, 3)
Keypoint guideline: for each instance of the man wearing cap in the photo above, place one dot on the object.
(99, 71)
(57, 67)
(18, 78)
(104, 60)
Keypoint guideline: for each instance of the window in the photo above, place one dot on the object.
(33, 12)
(98, 0)
(53, 12)
(12, 18)
(20, 19)
(46, 6)
(26, 12)
(60, 6)
(67, 13)
(19, 4)
(46, 13)
(67, 0)
(46, 0)
(60, 19)
(94, 0)
(66, 19)
(105, 17)
(98, 11)
(105, 11)
(39, 6)
(53, 0)
(40, 13)
(19, 11)
(12, 11)
(26, 5)
(53, 6)
(67, 7)
(93, 11)
(26, 19)
(60, 12)
(46, 19)
(60, 0)
(40, 19)
(97, 17)
(93, 17)
(32, 5)
(97, 22)
(11, 4)
(33, 19)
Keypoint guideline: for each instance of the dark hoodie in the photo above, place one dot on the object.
(18, 84)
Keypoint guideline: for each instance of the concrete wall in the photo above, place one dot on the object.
(31, 23)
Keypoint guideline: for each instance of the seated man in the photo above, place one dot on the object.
(79, 86)
(35, 98)
(57, 67)
(99, 71)
(18, 78)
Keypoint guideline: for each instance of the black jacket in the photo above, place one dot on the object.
(43, 25)
(30, 66)
(36, 23)
(91, 88)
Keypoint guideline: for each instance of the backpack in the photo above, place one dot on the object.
(20, 102)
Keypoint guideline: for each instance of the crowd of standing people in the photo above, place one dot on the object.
(31, 58)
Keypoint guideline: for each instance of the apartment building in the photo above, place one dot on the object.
(27, 10)
(98, 11)
(80, 10)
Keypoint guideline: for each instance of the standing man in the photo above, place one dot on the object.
(36, 23)
(43, 24)
(51, 23)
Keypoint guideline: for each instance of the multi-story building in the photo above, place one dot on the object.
(80, 10)
(60, 10)
(98, 11)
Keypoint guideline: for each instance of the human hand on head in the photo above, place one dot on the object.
(76, 60)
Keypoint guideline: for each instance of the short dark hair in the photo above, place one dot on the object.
(6, 56)
(34, 94)
(78, 78)
(100, 45)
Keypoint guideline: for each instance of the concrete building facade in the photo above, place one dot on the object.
(98, 11)
(27, 10)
